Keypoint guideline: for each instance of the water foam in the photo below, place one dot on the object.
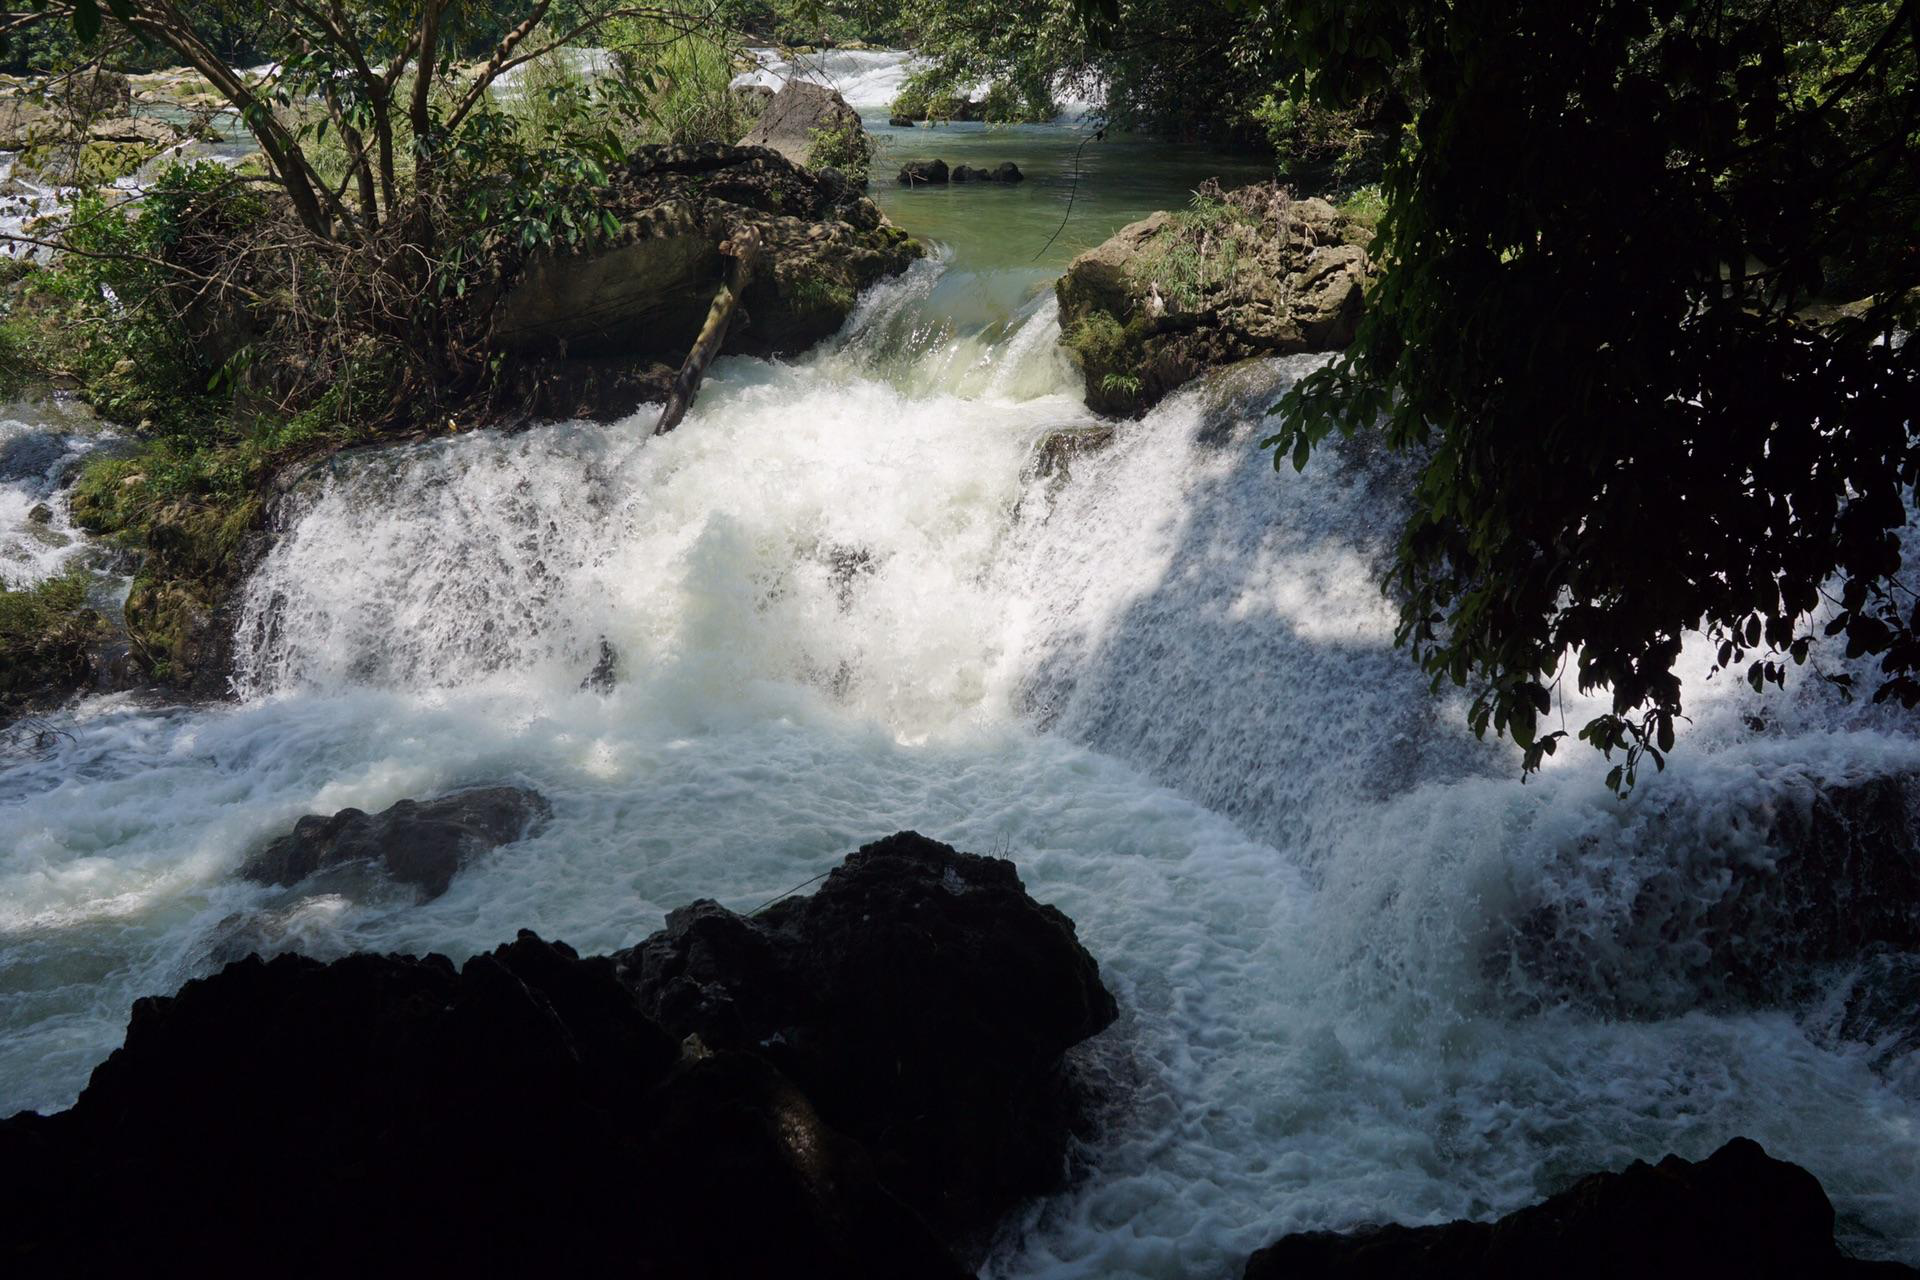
(844, 601)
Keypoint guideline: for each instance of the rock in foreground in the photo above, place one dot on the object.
(414, 843)
(397, 1116)
(1738, 1214)
(1244, 273)
(922, 1000)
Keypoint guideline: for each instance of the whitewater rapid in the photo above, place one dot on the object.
(844, 601)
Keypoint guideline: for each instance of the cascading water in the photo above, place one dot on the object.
(843, 600)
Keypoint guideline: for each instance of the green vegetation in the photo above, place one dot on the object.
(1601, 232)
(45, 634)
(850, 150)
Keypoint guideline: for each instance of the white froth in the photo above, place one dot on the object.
(842, 604)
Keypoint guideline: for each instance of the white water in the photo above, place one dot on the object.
(842, 607)
(869, 79)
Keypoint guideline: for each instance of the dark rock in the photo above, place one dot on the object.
(794, 115)
(602, 330)
(902, 122)
(1008, 171)
(40, 513)
(416, 844)
(391, 1116)
(33, 456)
(1057, 449)
(920, 998)
(1738, 1214)
(967, 173)
(919, 173)
(1285, 276)
(606, 670)
(1750, 908)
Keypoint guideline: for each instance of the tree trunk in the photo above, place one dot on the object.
(745, 248)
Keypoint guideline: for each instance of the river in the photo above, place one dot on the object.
(843, 604)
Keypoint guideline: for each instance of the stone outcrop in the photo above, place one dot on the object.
(792, 119)
(413, 843)
(80, 129)
(829, 1088)
(630, 307)
(1738, 1215)
(1245, 273)
(922, 1000)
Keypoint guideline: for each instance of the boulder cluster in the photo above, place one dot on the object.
(82, 128)
(858, 1082)
(935, 173)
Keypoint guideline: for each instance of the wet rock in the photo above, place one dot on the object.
(1750, 907)
(40, 513)
(923, 1001)
(1008, 172)
(414, 843)
(794, 116)
(902, 122)
(1255, 273)
(397, 1115)
(924, 173)
(1057, 449)
(631, 307)
(33, 457)
(606, 670)
(1738, 1214)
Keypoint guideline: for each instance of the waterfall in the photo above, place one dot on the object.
(845, 598)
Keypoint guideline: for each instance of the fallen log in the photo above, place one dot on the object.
(744, 247)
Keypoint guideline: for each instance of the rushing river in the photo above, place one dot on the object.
(842, 604)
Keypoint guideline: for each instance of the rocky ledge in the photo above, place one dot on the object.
(1738, 1215)
(600, 331)
(1249, 272)
(854, 1083)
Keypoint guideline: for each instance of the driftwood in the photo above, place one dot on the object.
(745, 248)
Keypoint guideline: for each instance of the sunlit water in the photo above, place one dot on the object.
(843, 604)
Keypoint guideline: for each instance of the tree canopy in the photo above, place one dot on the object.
(1604, 230)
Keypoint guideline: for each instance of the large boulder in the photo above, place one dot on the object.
(1738, 1215)
(1249, 272)
(792, 121)
(393, 1116)
(638, 299)
(922, 1000)
(415, 844)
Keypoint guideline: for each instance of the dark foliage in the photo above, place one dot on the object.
(1602, 238)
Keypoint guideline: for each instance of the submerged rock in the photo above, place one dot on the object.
(394, 1115)
(774, 1095)
(1250, 272)
(1738, 1214)
(631, 306)
(924, 1002)
(416, 844)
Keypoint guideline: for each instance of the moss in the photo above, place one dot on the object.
(46, 635)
